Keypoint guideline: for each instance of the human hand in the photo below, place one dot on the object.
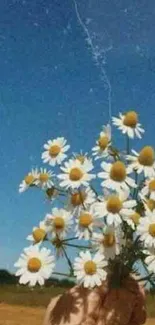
(100, 306)
(77, 306)
(124, 306)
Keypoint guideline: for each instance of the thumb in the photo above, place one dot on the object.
(94, 304)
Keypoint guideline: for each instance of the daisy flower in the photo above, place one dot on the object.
(146, 229)
(109, 242)
(89, 270)
(85, 223)
(84, 160)
(128, 124)
(55, 151)
(115, 207)
(149, 204)
(103, 143)
(132, 219)
(29, 180)
(45, 178)
(150, 260)
(58, 222)
(76, 174)
(82, 157)
(38, 233)
(35, 265)
(149, 188)
(115, 176)
(80, 199)
(144, 161)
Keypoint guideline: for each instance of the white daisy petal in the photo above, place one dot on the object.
(90, 274)
(116, 177)
(59, 222)
(35, 260)
(143, 162)
(128, 124)
(55, 151)
(76, 174)
(103, 143)
(29, 180)
(146, 228)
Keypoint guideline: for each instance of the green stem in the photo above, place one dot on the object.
(127, 145)
(62, 194)
(139, 187)
(81, 198)
(114, 153)
(68, 260)
(73, 238)
(145, 267)
(64, 274)
(60, 190)
(145, 278)
(135, 189)
(93, 189)
(78, 246)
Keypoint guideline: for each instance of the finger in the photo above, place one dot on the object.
(52, 304)
(89, 321)
(139, 313)
(94, 303)
(117, 308)
(67, 309)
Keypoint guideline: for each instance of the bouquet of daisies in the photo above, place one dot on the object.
(101, 205)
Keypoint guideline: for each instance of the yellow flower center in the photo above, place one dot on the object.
(135, 218)
(43, 177)
(118, 171)
(146, 156)
(152, 229)
(39, 235)
(85, 220)
(29, 179)
(114, 204)
(131, 119)
(34, 265)
(81, 158)
(103, 142)
(75, 174)
(151, 204)
(59, 223)
(78, 198)
(54, 151)
(90, 267)
(152, 185)
(109, 240)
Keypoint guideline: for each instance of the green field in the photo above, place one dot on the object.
(40, 297)
(20, 295)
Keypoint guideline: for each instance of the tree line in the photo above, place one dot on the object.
(8, 278)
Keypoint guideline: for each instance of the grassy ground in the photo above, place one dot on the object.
(21, 304)
(17, 315)
(20, 315)
(151, 306)
(19, 295)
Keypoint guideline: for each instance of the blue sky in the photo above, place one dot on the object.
(50, 86)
